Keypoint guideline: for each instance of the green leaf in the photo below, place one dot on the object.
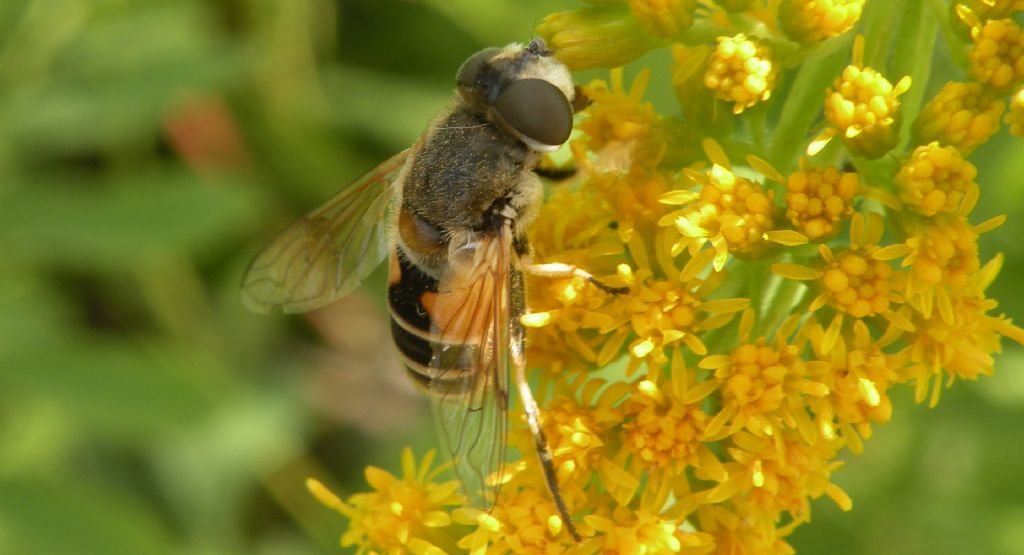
(76, 518)
(916, 46)
(118, 388)
(101, 92)
(877, 24)
(116, 226)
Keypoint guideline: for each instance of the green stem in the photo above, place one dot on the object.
(805, 100)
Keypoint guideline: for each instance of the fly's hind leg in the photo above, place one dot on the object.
(558, 269)
(533, 419)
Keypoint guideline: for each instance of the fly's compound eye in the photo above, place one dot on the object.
(470, 70)
(535, 111)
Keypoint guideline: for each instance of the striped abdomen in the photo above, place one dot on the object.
(410, 294)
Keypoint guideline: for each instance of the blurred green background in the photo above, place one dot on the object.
(149, 148)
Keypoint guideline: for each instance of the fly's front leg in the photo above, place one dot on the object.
(559, 269)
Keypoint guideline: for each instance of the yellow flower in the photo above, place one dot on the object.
(644, 532)
(936, 179)
(858, 382)
(402, 515)
(966, 14)
(741, 71)
(761, 384)
(962, 115)
(524, 521)
(730, 212)
(819, 199)
(620, 125)
(858, 281)
(576, 422)
(943, 259)
(809, 21)
(663, 18)
(961, 348)
(997, 59)
(663, 431)
(863, 108)
(1015, 117)
(596, 36)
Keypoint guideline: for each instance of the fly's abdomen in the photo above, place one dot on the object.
(409, 294)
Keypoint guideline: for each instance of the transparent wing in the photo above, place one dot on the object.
(326, 254)
(470, 367)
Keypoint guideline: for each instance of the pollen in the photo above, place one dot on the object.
(962, 115)
(820, 199)
(935, 179)
(997, 59)
(809, 21)
(741, 71)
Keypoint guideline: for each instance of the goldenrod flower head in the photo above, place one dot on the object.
(962, 115)
(643, 532)
(809, 21)
(741, 71)
(863, 107)
(820, 199)
(858, 281)
(663, 18)
(401, 515)
(997, 59)
(1015, 117)
(858, 383)
(762, 386)
(620, 124)
(781, 473)
(943, 259)
(595, 36)
(663, 431)
(935, 179)
(730, 212)
(525, 521)
(577, 420)
(960, 348)
(966, 14)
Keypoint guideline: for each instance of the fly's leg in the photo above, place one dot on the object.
(558, 269)
(540, 441)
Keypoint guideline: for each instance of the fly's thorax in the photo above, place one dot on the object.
(465, 164)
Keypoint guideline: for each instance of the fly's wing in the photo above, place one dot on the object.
(326, 254)
(469, 384)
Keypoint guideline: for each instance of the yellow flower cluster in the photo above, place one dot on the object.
(741, 71)
(935, 179)
(820, 199)
(769, 314)
(809, 21)
(863, 107)
(997, 59)
(962, 115)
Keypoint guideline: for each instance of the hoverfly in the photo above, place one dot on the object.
(451, 213)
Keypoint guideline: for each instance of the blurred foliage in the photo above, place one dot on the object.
(148, 148)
